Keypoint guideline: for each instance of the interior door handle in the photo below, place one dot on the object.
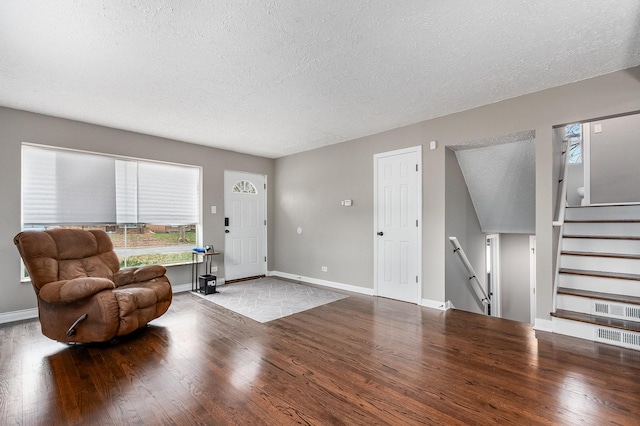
(381, 233)
(226, 231)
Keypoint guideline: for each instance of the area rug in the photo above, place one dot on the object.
(267, 299)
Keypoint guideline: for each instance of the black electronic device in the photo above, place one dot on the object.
(208, 284)
(226, 221)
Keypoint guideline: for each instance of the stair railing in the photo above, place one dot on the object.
(480, 292)
(563, 193)
(559, 223)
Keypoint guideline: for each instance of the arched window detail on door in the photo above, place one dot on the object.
(244, 187)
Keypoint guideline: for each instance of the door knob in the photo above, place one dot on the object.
(381, 233)
(226, 231)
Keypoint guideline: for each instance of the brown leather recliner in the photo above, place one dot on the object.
(83, 296)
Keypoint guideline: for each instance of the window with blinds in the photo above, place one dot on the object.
(150, 209)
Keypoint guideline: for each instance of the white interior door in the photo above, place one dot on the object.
(397, 204)
(245, 225)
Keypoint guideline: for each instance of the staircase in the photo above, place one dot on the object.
(598, 293)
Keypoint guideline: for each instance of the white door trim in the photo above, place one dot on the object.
(496, 306)
(586, 161)
(418, 151)
(532, 279)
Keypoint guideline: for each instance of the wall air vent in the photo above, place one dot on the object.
(631, 339)
(627, 339)
(611, 335)
(616, 310)
(601, 308)
(633, 313)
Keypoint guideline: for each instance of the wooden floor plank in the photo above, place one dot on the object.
(360, 360)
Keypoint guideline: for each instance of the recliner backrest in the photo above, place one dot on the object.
(64, 254)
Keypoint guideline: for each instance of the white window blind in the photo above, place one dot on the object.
(68, 187)
(167, 194)
(126, 191)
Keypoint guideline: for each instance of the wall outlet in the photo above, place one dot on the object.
(324, 269)
(214, 269)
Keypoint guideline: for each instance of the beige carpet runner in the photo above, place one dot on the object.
(267, 299)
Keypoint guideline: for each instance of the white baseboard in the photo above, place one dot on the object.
(325, 283)
(543, 325)
(356, 289)
(18, 315)
(31, 313)
(180, 288)
(434, 304)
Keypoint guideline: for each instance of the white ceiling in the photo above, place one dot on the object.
(273, 78)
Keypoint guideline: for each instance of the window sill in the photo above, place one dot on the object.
(167, 265)
(187, 263)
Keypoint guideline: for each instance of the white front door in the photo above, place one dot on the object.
(245, 225)
(398, 206)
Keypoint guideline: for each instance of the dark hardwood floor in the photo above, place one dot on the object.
(360, 360)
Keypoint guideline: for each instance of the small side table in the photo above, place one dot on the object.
(207, 260)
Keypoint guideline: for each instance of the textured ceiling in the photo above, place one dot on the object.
(274, 78)
(501, 181)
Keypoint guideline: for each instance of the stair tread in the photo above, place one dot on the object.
(599, 254)
(618, 275)
(602, 221)
(622, 298)
(592, 206)
(597, 320)
(604, 237)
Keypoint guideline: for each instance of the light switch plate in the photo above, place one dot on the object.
(213, 209)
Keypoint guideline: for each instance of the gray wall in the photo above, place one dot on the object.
(575, 179)
(501, 180)
(331, 174)
(514, 277)
(557, 136)
(462, 223)
(614, 160)
(310, 187)
(350, 165)
(309, 196)
(19, 126)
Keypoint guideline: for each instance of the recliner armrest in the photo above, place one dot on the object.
(68, 291)
(137, 275)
